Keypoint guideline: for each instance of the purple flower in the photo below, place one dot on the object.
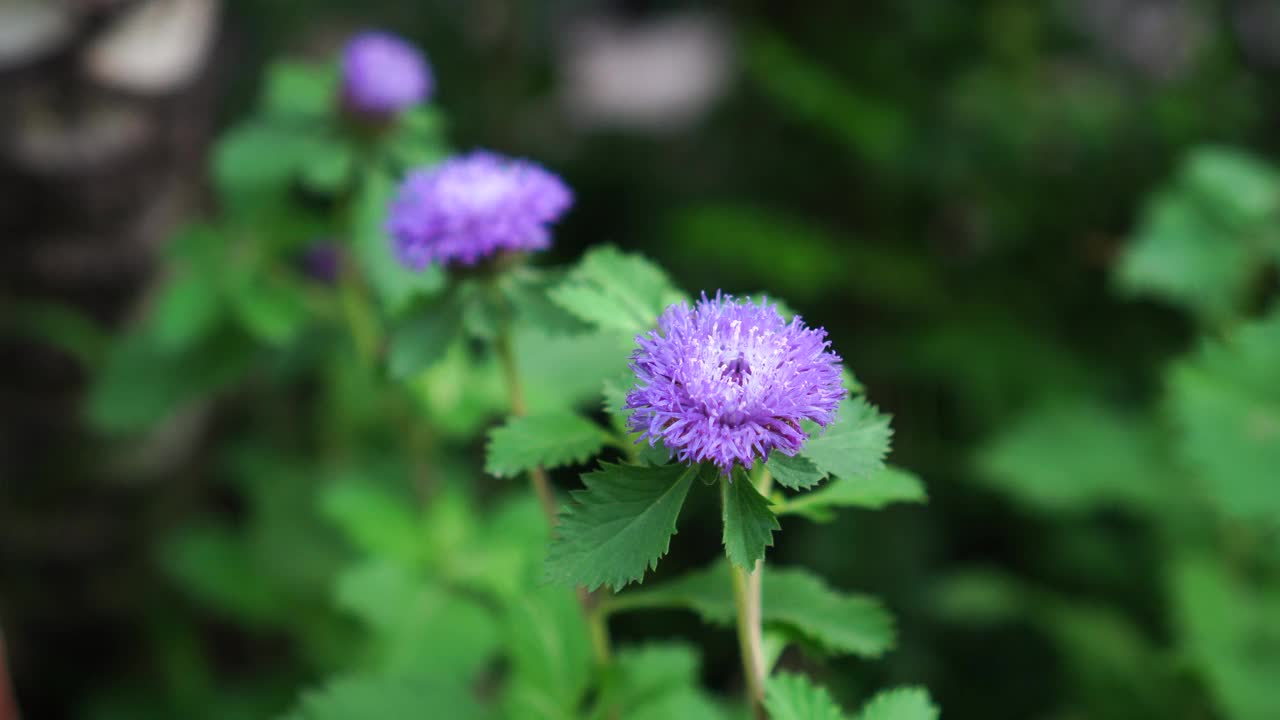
(472, 206)
(729, 381)
(382, 74)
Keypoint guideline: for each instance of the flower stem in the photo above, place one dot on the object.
(596, 619)
(747, 599)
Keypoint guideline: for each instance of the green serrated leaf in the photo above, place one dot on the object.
(616, 291)
(794, 697)
(793, 600)
(882, 488)
(1225, 401)
(547, 440)
(855, 445)
(620, 526)
(796, 472)
(748, 521)
(420, 340)
(394, 284)
(906, 703)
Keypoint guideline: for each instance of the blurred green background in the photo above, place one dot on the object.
(1043, 234)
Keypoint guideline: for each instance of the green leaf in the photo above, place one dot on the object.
(1226, 403)
(796, 472)
(550, 655)
(547, 440)
(528, 292)
(793, 697)
(421, 339)
(185, 311)
(1230, 632)
(61, 326)
(254, 162)
(377, 522)
(293, 88)
(882, 488)
(389, 697)
(906, 703)
(216, 567)
(1078, 455)
(620, 526)
(1239, 187)
(394, 284)
(270, 308)
(793, 600)
(328, 167)
(748, 521)
(616, 291)
(855, 445)
(418, 626)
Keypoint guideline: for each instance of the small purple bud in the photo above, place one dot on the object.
(383, 75)
(321, 261)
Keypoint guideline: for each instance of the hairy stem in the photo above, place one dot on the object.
(747, 599)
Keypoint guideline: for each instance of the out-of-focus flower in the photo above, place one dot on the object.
(472, 206)
(730, 381)
(383, 75)
(321, 261)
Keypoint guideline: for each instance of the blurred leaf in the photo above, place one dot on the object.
(294, 88)
(387, 698)
(528, 291)
(419, 628)
(620, 526)
(254, 162)
(793, 697)
(328, 167)
(796, 472)
(185, 310)
(62, 327)
(748, 521)
(271, 308)
(563, 372)
(1078, 455)
(216, 566)
(793, 599)
(547, 440)
(870, 128)
(873, 492)
(655, 682)
(616, 291)
(1231, 633)
(1243, 189)
(393, 284)
(377, 522)
(855, 445)
(907, 703)
(550, 655)
(1226, 403)
(421, 339)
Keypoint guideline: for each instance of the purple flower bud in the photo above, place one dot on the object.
(383, 75)
(729, 381)
(321, 261)
(472, 206)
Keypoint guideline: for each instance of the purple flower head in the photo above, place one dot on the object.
(382, 74)
(729, 381)
(472, 206)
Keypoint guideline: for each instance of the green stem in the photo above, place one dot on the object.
(596, 619)
(360, 319)
(747, 600)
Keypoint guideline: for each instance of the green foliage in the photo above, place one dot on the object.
(873, 492)
(900, 704)
(385, 698)
(1203, 242)
(794, 471)
(620, 526)
(549, 653)
(795, 601)
(616, 291)
(748, 521)
(855, 445)
(421, 340)
(1226, 403)
(394, 285)
(548, 440)
(793, 697)
(1078, 455)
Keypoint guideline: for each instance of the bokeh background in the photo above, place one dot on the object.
(950, 188)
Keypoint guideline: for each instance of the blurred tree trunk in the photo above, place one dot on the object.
(105, 110)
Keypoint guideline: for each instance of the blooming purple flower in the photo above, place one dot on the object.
(729, 381)
(472, 206)
(382, 74)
